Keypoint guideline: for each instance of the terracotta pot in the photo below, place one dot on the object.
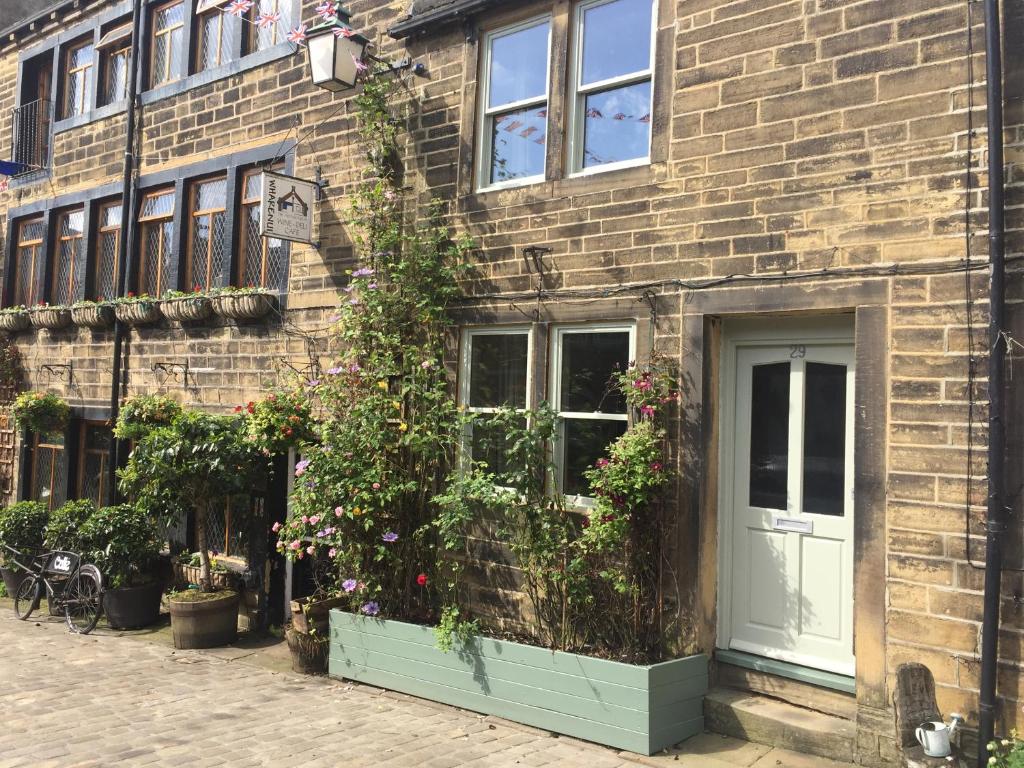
(243, 306)
(50, 318)
(93, 315)
(187, 309)
(309, 652)
(135, 313)
(12, 322)
(308, 615)
(132, 607)
(204, 623)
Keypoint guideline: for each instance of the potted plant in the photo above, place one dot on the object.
(14, 319)
(186, 307)
(141, 414)
(308, 651)
(188, 571)
(93, 314)
(249, 303)
(41, 412)
(199, 460)
(52, 318)
(64, 526)
(124, 543)
(137, 310)
(22, 527)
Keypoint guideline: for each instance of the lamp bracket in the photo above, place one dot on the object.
(58, 371)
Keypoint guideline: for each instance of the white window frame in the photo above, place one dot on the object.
(555, 388)
(466, 371)
(486, 113)
(579, 93)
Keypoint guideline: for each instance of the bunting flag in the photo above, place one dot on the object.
(360, 65)
(297, 35)
(267, 20)
(239, 7)
(327, 10)
(594, 113)
(344, 32)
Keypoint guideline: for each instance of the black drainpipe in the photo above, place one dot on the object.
(127, 234)
(996, 510)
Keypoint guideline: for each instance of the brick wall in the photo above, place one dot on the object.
(789, 137)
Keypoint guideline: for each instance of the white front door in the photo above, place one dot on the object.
(787, 492)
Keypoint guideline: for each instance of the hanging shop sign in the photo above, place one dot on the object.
(286, 208)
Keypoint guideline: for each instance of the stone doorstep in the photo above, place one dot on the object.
(768, 721)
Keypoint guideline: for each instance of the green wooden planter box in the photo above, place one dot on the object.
(640, 709)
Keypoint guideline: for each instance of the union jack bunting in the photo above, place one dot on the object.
(592, 112)
(266, 20)
(620, 116)
(344, 32)
(360, 64)
(239, 7)
(297, 35)
(327, 10)
(646, 118)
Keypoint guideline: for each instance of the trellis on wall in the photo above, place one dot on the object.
(11, 377)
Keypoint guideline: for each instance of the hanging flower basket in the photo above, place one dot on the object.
(50, 318)
(93, 315)
(243, 306)
(41, 412)
(138, 312)
(186, 309)
(14, 320)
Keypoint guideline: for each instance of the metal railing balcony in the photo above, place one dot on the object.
(31, 136)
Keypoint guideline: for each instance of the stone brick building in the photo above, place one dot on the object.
(785, 196)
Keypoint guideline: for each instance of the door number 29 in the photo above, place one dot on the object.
(797, 351)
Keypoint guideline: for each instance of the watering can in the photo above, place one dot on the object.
(936, 737)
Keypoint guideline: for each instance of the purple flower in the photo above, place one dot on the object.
(354, 368)
(371, 608)
(301, 467)
(334, 371)
(313, 383)
(349, 585)
(353, 302)
(363, 272)
(372, 286)
(390, 537)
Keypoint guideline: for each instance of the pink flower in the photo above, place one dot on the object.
(305, 519)
(602, 463)
(332, 552)
(296, 544)
(426, 364)
(338, 511)
(656, 466)
(275, 527)
(376, 486)
(311, 549)
(647, 410)
(314, 519)
(643, 384)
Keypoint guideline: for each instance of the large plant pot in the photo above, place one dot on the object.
(12, 322)
(640, 708)
(93, 315)
(50, 318)
(309, 652)
(12, 579)
(187, 309)
(136, 313)
(132, 607)
(308, 615)
(206, 623)
(243, 306)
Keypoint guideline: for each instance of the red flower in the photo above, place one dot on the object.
(196, 288)
(251, 407)
(422, 579)
(289, 432)
(131, 294)
(238, 409)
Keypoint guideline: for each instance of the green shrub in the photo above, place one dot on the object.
(41, 412)
(141, 414)
(124, 543)
(22, 526)
(64, 529)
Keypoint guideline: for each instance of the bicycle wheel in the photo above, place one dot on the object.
(83, 601)
(27, 599)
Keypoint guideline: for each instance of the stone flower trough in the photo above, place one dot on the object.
(637, 708)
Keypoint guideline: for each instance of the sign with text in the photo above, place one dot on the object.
(286, 208)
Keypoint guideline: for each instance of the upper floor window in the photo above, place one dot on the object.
(262, 261)
(213, 47)
(259, 37)
(108, 247)
(115, 51)
(515, 103)
(69, 256)
(28, 261)
(168, 34)
(611, 111)
(78, 63)
(209, 251)
(156, 238)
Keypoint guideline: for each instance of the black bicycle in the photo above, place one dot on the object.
(69, 586)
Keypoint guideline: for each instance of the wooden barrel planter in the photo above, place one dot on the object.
(314, 614)
(136, 313)
(14, 321)
(186, 309)
(50, 318)
(132, 607)
(204, 620)
(243, 306)
(93, 315)
(309, 652)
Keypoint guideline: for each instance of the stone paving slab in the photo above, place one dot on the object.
(106, 700)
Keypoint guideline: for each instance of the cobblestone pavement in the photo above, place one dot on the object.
(109, 700)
